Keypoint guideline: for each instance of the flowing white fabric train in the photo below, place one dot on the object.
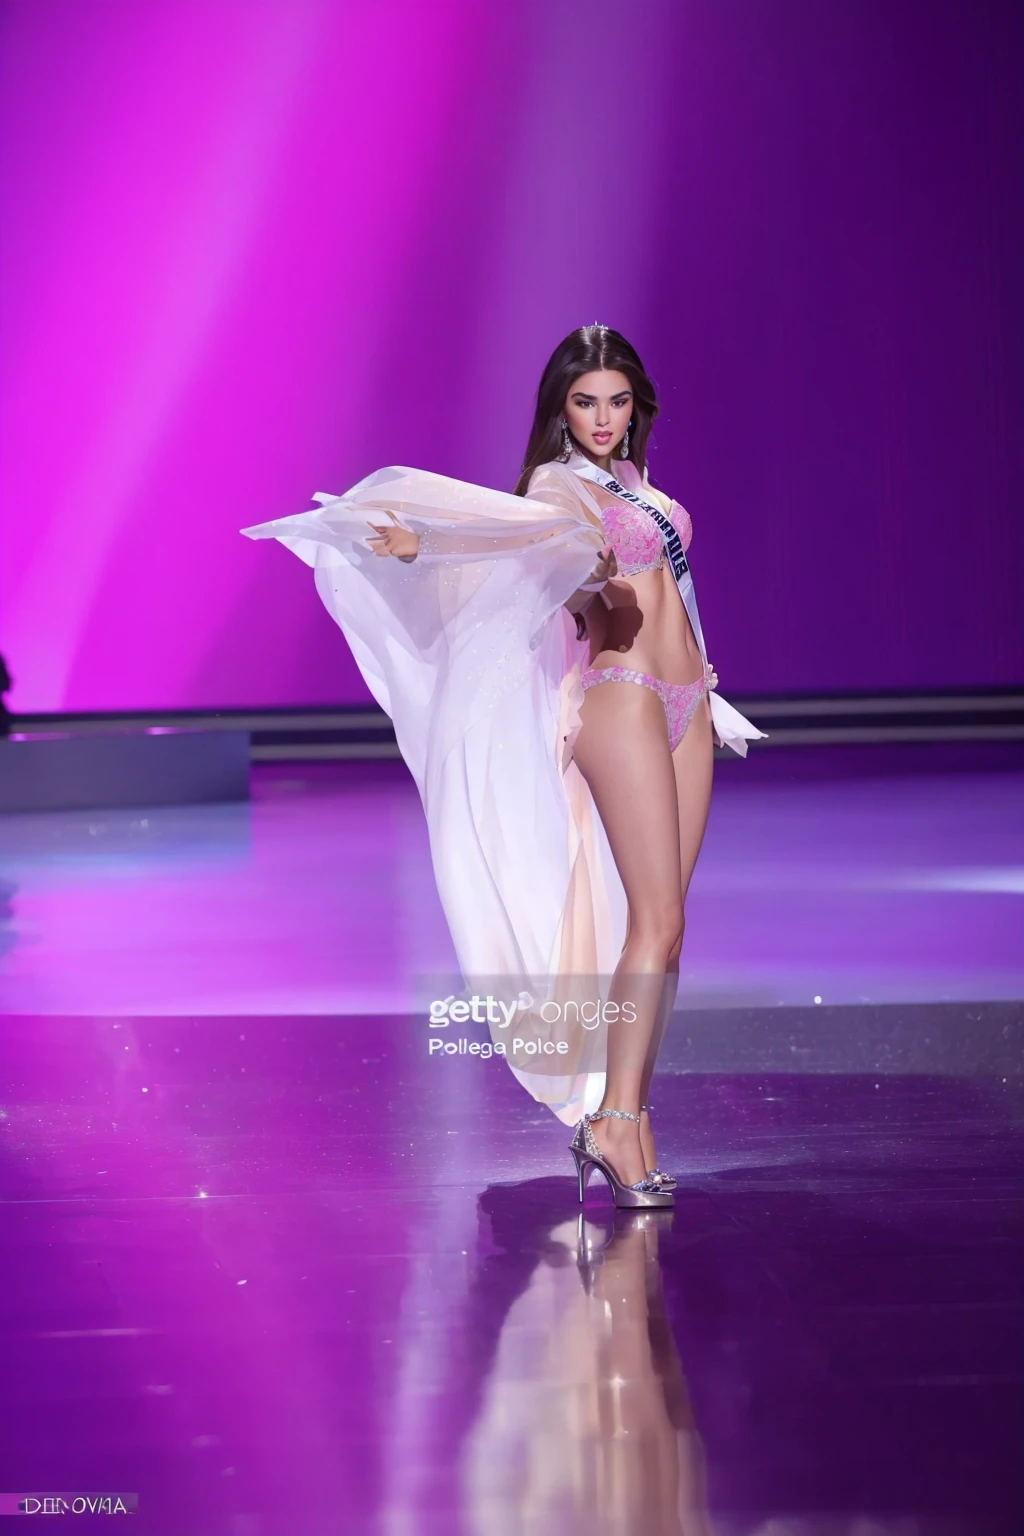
(471, 653)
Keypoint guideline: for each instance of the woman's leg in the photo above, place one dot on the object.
(693, 764)
(622, 752)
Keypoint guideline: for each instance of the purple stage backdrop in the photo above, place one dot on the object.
(253, 250)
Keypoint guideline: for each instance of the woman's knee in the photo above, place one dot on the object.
(658, 930)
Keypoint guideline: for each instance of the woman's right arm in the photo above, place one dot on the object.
(547, 487)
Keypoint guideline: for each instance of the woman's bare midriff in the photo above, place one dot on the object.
(648, 619)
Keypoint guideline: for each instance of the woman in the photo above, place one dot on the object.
(541, 657)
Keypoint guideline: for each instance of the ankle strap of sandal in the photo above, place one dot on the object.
(613, 1114)
(645, 1106)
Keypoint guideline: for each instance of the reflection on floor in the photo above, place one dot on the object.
(292, 1277)
(273, 1267)
(319, 897)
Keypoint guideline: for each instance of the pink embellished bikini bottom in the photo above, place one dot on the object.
(680, 699)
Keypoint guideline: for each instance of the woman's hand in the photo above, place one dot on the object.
(606, 567)
(614, 620)
(398, 540)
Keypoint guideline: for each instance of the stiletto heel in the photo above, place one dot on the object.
(644, 1194)
(581, 1164)
(663, 1180)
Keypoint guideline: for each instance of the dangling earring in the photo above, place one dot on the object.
(566, 441)
(625, 445)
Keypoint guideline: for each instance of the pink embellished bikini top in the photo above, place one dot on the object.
(635, 536)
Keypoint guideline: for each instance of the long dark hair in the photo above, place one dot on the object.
(586, 350)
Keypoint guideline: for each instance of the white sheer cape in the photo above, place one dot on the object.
(471, 653)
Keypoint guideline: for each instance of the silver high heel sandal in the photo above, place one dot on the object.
(663, 1180)
(587, 1155)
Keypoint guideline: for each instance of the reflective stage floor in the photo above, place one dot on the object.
(281, 1273)
(318, 897)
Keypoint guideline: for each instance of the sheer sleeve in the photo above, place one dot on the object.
(560, 488)
(449, 634)
(470, 650)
